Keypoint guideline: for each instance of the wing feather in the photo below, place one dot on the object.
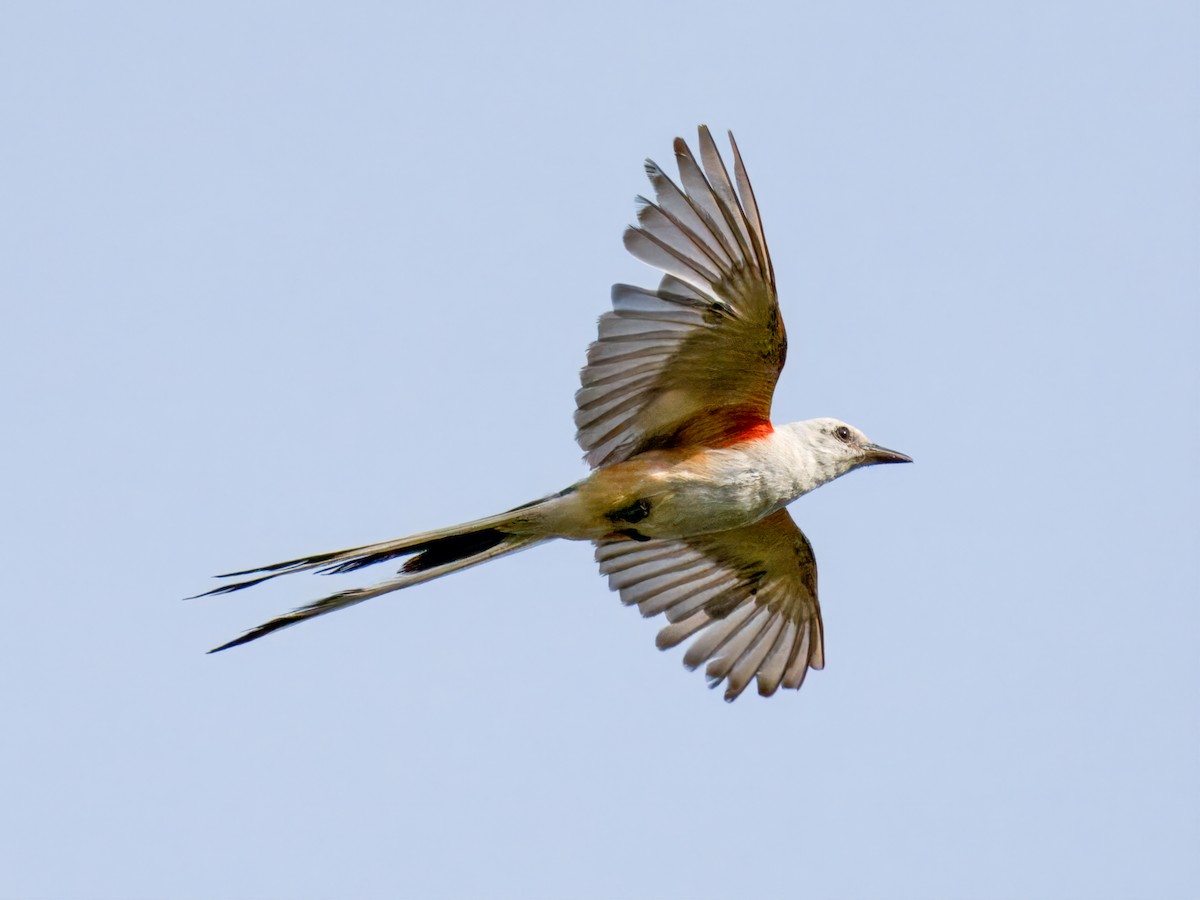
(717, 636)
(684, 212)
(679, 237)
(752, 658)
(700, 190)
(800, 660)
(745, 598)
(658, 253)
(750, 205)
(720, 667)
(703, 351)
(675, 634)
(731, 207)
(770, 673)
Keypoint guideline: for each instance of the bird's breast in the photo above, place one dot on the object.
(676, 494)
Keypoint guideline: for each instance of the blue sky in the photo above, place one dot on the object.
(282, 278)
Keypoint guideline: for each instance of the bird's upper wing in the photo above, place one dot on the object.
(749, 593)
(696, 361)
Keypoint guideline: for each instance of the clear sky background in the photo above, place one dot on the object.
(282, 278)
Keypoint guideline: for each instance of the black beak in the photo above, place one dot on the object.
(875, 455)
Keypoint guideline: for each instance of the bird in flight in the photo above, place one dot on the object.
(686, 501)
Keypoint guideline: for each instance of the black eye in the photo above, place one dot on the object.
(843, 434)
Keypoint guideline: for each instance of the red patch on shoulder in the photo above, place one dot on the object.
(755, 431)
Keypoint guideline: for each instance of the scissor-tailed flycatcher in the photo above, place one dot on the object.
(686, 500)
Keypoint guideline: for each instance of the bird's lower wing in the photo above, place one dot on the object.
(748, 596)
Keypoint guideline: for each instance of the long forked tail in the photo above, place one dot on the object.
(432, 554)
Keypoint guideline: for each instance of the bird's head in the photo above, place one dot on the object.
(840, 448)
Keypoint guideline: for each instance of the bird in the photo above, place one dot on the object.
(686, 499)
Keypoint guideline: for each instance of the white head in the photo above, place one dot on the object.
(835, 448)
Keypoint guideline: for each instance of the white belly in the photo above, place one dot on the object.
(715, 499)
(675, 494)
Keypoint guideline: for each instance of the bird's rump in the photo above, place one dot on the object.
(694, 362)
